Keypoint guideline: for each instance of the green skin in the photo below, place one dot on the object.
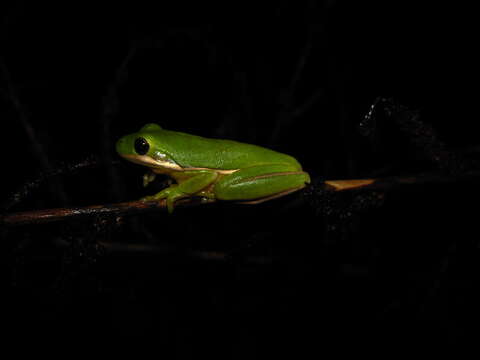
(211, 168)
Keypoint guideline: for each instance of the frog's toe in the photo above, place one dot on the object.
(148, 198)
(148, 178)
(155, 197)
(170, 202)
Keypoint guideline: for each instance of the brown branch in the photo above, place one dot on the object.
(60, 214)
(136, 207)
(392, 182)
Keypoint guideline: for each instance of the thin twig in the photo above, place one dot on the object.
(302, 109)
(26, 189)
(201, 255)
(287, 99)
(111, 105)
(301, 62)
(56, 187)
(143, 249)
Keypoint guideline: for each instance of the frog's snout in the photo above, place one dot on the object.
(118, 145)
(121, 145)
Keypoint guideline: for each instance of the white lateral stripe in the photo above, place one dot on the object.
(149, 161)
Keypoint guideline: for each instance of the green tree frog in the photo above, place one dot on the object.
(211, 168)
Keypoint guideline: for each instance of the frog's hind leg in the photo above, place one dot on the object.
(280, 194)
(260, 183)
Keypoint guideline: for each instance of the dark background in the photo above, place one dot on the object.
(297, 77)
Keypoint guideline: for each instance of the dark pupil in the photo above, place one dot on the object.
(141, 146)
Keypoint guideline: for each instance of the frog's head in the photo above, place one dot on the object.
(144, 147)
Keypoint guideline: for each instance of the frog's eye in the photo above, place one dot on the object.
(141, 146)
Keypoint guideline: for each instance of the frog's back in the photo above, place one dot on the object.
(199, 152)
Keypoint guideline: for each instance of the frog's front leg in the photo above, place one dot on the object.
(260, 183)
(193, 182)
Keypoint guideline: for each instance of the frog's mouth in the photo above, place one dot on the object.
(153, 163)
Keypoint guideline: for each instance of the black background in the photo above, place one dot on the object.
(81, 76)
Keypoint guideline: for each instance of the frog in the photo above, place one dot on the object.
(211, 168)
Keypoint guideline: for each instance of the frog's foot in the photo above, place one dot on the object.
(148, 178)
(171, 194)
